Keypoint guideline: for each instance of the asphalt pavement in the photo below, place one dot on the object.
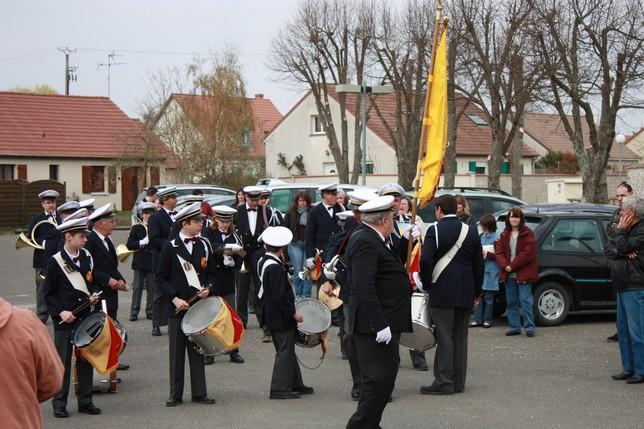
(558, 379)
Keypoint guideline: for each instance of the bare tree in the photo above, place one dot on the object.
(325, 43)
(594, 53)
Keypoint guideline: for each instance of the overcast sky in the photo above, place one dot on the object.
(150, 35)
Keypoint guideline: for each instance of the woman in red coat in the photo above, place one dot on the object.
(516, 254)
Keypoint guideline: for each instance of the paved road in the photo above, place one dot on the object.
(559, 379)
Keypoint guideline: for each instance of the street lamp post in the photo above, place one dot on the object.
(620, 139)
(364, 92)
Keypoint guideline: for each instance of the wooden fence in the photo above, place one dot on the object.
(19, 201)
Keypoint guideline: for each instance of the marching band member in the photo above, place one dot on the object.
(69, 282)
(56, 243)
(53, 243)
(278, 299)
(322, 222)
(226, 245)
(48, 203)
(186, 271)
(142, 263)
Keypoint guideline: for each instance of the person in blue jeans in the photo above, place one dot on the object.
(483, 313)
(295, 220)
(516, 255)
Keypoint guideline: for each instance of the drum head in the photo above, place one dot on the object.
(88, 329)
(200, 315)
(317, 316)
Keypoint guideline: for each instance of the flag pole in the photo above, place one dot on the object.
(422, 147)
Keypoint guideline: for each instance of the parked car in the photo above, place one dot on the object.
(480, 200)
(571, 255)
(282, 195)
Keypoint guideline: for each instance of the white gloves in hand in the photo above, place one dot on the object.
(384, 336)
(229, 261)
(144, 242)
(412, 230)
(419, 284)
(329, 274)
(310, 263)
(233, 247)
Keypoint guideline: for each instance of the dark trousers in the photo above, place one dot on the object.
(84, 371)
(379, 364)
(41, 306)
(143, 280)
(243, 292)
(179, 344)
(160, 307)
(286, 371)
(450, 361)
(350, 348)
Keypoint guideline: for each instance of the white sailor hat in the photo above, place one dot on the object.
(189, 212)
(253, 192)
(102, 212)
(378, 204)
(87, 204)
(345, 214)
(358, 198)
(168, 191)
(277, 236)
(224, 213)
(266, 192)
(69, 206)
(391, 189)
(331, 187)
(48, 194)
(77, 214)
(73, 225)
(188, 199)
(147, 206)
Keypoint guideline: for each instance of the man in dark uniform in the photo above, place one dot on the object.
(42, 233)
(159, 231)
(322, 222)
(68, 283)
(455, 279)
(55, 241)
(379, 308)
(184, 261)
(226, 247)
(142, 262)
(401, 243)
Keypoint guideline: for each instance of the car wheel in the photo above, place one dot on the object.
(551, 304)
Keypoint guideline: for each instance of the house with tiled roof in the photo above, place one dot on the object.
(189, 109)
(86, 142)
(635, 143)
(300, 132)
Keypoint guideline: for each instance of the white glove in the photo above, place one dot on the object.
(144, 242)
(229, 261)
(384, 336)
(233, 247)
(310, 263)
(329, 274)
(413, 230)
(416, 276)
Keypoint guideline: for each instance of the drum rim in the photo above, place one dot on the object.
(97, 315)
(199, 304)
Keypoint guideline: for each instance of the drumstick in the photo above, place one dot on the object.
(82, 306)
(190, 301)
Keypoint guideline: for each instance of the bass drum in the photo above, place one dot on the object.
(422, 335)
(317, 320)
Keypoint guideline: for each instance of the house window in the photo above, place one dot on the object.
(369, 168)
(317, 127)
(93, 178)
(6, 172)
(53, 172)
(475, 168)
(248, 138)
(505, 168)
(155, 176)
(111, 180)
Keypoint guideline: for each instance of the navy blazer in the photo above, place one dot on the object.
(320, 227)
(106, 265)
(462, 279)
(224, 275)
(249, 240)
(44, 232)
(142, 259)
(159, 226)
(171, 278)
(59, 293)
(380, 293)
(278, 299)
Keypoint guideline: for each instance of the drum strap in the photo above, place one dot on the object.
(190, 273)
(268, 263)
(74, 276)
(444, 261)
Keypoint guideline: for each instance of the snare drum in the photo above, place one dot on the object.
(422, 336)
(94, 341)
(213, 326)
(317, 319)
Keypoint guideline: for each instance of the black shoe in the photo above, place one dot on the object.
(421, 366)
(622, 376)
(204, 400)
(266, 339)
(123, 367)
(344, 356)
(530, 334)
(304, 390)
(134, 318)
(89, 409)
(208, 360)
(475, 324)
(433, 390)
(613, 338)
(236, 357)
(355, 393)
(173, 402)
(512, 333)
(60, 413)
(284, 395)
(156, 332)
(636, 379)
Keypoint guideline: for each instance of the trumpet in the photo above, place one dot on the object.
(30, 241)
(312, 273)
(122, 252)
(331, 265)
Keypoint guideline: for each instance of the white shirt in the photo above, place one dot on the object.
(168, 211)
(189, 244)
(77, 262)
(252, 218)
(103, 238)
(329, 209)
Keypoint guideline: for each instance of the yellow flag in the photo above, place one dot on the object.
(436, 120)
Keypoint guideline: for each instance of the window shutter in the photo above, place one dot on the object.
(472, 166)
(505, 168)
(111, 180)
(87, 179)
(154, 176)
(22, 172)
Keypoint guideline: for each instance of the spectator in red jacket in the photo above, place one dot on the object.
(516, 254)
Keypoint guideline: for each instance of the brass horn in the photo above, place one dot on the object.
(122, 252)
(30, 241)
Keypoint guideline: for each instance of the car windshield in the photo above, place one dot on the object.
(531, 222)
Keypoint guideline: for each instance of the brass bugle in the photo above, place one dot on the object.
(122, 252)
(30, 241)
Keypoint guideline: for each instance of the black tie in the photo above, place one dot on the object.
(252, 210)
(77, 259)
(172, 213)
(189, 239)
